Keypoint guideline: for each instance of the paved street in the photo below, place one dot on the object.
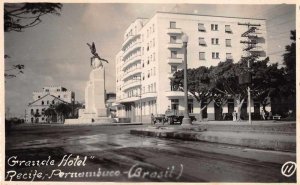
(110, 153)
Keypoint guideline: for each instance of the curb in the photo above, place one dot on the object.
(273, 143)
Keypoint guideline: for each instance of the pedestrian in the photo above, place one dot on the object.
(153, 120)
(234, 115)
(263, 114)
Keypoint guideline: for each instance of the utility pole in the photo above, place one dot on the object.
(186, 121)
(251, 43)
(141, 99)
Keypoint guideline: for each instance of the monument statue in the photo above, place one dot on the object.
(95, 110)
(96, 60)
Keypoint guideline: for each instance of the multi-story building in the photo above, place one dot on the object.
(153, 50)
(41, 100)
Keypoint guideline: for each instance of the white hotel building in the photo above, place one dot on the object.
(153, 50)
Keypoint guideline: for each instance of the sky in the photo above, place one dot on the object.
(55, 52)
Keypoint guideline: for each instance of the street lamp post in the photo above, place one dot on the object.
(186, 121)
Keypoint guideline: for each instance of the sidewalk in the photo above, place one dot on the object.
(280, 137)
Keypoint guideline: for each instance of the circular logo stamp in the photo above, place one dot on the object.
(288, 168)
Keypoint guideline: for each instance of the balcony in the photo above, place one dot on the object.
(131, 84)
(128, 40)
(133, 48)
(149, 95)
(132, 72)
(177, 45)
(257, 48)
(133, 60)
(171, 94)
(129, 99)
(176, 31)
(174, 60)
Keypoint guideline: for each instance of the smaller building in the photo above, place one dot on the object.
(110, 104)
(42, 100)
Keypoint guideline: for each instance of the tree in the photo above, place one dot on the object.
(268, 81)
(225, 76)
(63, 110)
(51, 114)
(199, 86)
(290, 61)
(19, 16)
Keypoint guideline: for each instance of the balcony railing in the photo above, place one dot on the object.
(134, 47)
(133, 60)
(132, 72)
(128, 40)
(131, 84)
(174, 94)
(174, 31)
(174, 60)
(175, 45)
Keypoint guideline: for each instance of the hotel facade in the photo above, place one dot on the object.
(152, 51)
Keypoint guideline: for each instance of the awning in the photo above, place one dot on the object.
(201, 27)
(202, 41)
(228, 29)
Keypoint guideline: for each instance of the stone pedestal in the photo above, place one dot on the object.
(95, 109)
(95, 94)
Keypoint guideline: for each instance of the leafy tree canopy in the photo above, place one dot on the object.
(19, 16)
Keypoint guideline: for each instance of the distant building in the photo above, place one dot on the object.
(50, 95)
(152, 51)
(110, 103)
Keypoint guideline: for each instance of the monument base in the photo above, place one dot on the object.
(99, 120)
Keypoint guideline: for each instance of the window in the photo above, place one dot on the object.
(215, 55)
(173, 68)
(58, 90)
(42, 102)
(172, 25)
(53, 102)
(174, 104)
(39, 96)
(228, 56)
(228, 29)
(172, 39)
(201, 27)
(173, 54)
(228, 42)
(201, 55)
(214, 27)
(153, 42)
(215, 41)
(31, 111)
(47, 102)
(202, 41)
